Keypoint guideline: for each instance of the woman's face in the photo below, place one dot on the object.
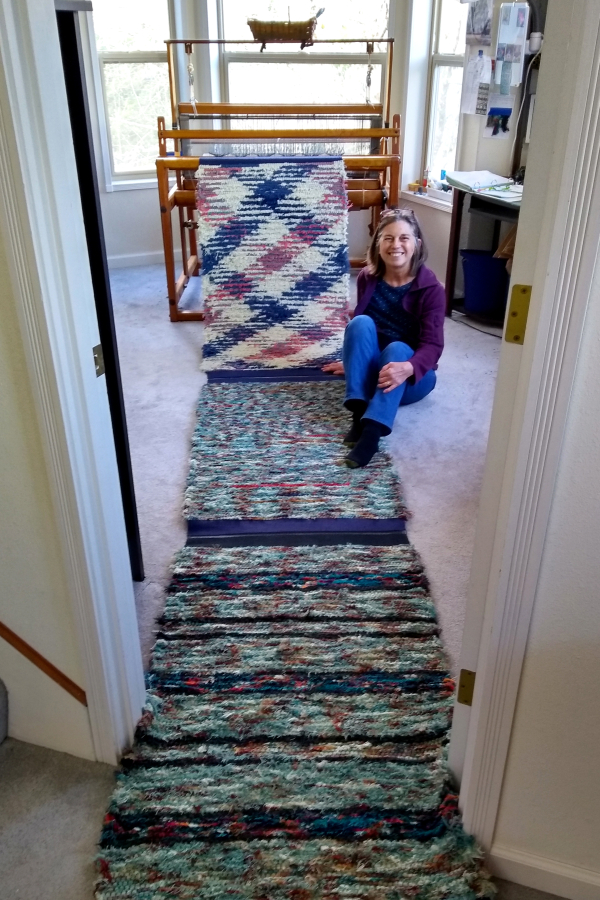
(397, 246)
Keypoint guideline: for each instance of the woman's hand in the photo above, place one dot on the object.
(334, 368)
(393, 375)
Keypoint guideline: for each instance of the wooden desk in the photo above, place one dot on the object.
(481, 205)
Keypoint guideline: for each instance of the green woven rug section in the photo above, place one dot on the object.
(293, 744)
(274, 450)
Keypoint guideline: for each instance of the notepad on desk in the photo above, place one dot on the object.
(475, 181)
(487, 183)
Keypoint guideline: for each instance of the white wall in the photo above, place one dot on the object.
(551, 791)
(132, 227)
(33, 587)
(547, 833)
(435, 224)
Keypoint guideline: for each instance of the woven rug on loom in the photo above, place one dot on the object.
(293, 743)
(275, 268)
(274, 450)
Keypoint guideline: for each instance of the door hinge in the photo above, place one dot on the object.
(99, 360)
(466, 686)
(516, 320)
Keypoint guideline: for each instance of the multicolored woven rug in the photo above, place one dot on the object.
(275, 269)
(274, 450)
(293, 743)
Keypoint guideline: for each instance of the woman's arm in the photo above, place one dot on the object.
(431, 339)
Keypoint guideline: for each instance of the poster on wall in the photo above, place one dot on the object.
(479, 22)
(511, 46)
(499, 111)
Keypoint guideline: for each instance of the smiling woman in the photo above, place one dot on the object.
(396, 337)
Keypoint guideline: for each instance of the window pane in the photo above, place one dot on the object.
(444, 119)
(301, 83)
(341, 19)
(131, 25)
(453, 27)
(136, 94)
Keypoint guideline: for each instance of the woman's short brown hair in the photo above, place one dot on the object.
(375, 264)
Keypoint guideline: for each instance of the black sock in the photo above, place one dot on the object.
(367, 445)
(355, 431)
(358, 409)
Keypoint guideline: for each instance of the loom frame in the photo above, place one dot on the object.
(373, 180)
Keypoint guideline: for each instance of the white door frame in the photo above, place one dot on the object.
(39, 207)
(42, 223)
(556, 252)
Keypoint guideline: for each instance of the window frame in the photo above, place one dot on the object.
(128, 58)
(118, 181)
(437, 61)
(294, 56)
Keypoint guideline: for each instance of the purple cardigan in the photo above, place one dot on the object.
(426, 300)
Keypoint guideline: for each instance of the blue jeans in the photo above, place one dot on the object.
(363, 361)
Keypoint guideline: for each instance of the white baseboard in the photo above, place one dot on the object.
(544, 874)
(154, 258)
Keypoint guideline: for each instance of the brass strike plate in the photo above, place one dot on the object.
(466, 686)
(99, 360)
(516, 321)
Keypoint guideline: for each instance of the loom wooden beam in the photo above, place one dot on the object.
(261, 134)
(352, 163)
(366, 199)
(375, 40)
(166, 206)
(284, 109)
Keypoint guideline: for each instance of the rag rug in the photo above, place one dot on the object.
(275, 268)
(293, 746)
(273, 450)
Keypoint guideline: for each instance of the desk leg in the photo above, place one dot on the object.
(457, 211)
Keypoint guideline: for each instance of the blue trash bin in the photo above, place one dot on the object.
(486, 284)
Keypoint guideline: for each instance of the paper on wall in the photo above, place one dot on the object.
(479, 22)
(478, 74)
(511, 43)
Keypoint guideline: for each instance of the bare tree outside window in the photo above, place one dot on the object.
(447, 61)
(130, 40)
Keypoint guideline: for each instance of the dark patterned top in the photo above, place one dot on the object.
(392, 321)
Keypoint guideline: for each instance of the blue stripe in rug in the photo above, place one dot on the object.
(306, 373)
(295, 532)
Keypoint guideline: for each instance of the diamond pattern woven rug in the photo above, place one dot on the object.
(274, 450)
(293, 744)
(275, 269)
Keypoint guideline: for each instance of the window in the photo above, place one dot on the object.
(446, 76)
(133, 65)
(337, 72)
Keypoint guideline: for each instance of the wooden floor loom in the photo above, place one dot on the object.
(372, 179)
